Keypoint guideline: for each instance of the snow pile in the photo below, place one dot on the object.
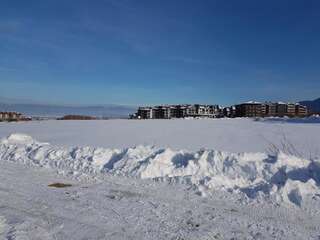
(257, 175)
(294, 191)
(18, 139)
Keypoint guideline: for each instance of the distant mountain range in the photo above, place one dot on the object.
(313, 106)
(44, 110)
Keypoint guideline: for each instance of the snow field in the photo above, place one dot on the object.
(229, 135)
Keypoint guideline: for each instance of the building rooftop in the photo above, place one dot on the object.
(252, 102)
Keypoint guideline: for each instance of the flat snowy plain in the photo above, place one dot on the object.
(232, 135)
(160, 179)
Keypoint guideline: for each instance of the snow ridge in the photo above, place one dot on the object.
(257, 175)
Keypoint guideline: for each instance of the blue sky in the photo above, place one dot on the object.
(152, 52)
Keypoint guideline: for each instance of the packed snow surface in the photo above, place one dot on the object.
(117, 208)
(255, 175)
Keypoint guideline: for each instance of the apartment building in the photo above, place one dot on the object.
(268, 109)
(178, 111)
(10, 116)
(281, 109)
(300, 110)
(291, 110)
(249, 109)
(144, 113)
(229, 112)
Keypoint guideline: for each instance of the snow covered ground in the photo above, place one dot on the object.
(118, 208)
(232, 135)
(173, 190)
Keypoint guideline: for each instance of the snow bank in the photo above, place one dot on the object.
(257, 175)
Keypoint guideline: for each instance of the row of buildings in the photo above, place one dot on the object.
(178, 111)
(248, 109)
(269, 109)
(12, 116)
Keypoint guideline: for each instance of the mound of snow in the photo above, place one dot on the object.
(17, 138)
(256, 175)
(294, 191)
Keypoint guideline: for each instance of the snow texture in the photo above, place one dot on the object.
(258, 176)
(119, 208)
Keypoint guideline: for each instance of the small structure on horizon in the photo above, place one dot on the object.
(76, 117)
